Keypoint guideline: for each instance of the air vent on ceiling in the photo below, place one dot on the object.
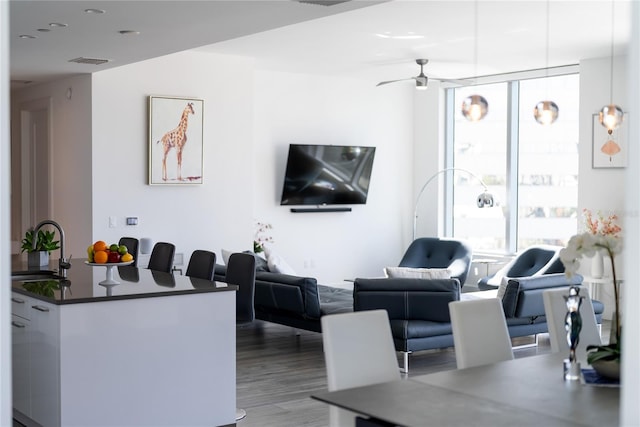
(323, 2)
(91, 61)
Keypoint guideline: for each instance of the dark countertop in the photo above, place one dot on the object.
(83, 284)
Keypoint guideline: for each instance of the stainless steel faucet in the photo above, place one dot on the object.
(63, 263)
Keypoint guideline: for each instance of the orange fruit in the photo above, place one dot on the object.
(100, 246)
(100, 257)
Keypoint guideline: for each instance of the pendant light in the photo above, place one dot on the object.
(546, 112)
(475, 107)
(611, 115)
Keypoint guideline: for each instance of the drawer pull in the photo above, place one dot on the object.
(40, 308)
(17, 324)
(17, 300)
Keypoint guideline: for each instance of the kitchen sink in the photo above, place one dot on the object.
(33, 276)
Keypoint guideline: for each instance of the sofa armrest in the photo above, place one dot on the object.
(286, 292)
(523, 295)
(403, 298)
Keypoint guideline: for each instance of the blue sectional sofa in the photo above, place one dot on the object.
(419, 314)
(418, 308)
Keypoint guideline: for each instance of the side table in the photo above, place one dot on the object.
(486, 261)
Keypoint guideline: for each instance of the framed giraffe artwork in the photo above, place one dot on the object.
(175, 140)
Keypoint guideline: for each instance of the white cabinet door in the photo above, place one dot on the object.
(44, 363)
(20, 328)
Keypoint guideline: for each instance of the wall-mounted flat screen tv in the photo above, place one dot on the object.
(327, 175)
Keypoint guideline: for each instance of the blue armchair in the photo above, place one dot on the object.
(433, 252)
(533, 261)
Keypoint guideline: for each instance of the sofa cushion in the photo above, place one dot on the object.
(417, 273)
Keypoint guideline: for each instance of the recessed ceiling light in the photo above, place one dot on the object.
(98, 11)
(58, 25)
(26, 36)
(129, 32)
(44, 30)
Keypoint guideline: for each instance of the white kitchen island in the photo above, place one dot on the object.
(155, 350)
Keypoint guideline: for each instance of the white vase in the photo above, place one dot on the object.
(597, 266)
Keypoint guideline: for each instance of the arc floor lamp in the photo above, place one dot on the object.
(484, 199)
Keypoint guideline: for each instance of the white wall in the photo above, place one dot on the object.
(5, 265)
(601, 189)
(211, 215)
(307, 109)
(71, 159)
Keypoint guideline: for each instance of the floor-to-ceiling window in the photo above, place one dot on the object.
(531, 169)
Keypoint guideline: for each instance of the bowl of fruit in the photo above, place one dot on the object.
(102, 255)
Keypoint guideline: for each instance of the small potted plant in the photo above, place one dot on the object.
(45, 243)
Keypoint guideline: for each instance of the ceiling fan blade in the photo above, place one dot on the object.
(393, 81)
(455, 81)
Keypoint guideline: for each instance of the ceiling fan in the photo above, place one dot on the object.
(422, 80)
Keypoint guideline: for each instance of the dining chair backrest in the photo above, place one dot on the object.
(241, 271)
(480, 333)
(201, 264)
(358, 351)
(555, 309)
(161, 258)
(132, 246)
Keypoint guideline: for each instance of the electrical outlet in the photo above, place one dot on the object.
(113, 222)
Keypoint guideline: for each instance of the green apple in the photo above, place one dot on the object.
(122, 249)
(113, 248)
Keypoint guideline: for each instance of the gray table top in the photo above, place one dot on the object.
(527, 391)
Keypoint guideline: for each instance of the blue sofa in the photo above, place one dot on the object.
(419, 314)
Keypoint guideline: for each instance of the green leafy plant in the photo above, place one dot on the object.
(44, 241)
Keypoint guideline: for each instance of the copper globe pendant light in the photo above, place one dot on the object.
(611, 115)
(546, 112)
(475, 107)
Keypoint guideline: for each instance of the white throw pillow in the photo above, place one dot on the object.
(417, 273)
(276, 263)
(225, 256)
(503, 287)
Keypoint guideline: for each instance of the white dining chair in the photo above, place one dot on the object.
(358, 351)
(555, 309)
(480, 333)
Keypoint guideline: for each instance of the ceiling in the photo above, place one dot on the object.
(376, 40)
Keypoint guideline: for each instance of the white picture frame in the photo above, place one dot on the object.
(175, 140)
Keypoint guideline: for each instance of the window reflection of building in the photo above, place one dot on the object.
(545, 167)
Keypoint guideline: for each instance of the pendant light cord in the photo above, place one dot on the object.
(475, 41)
(611, 65)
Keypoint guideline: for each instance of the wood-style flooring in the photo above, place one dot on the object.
(277, 370)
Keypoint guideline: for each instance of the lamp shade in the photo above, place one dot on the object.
(475, 107)
(546, 112)
(611, 116)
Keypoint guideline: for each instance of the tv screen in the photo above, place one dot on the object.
(327, 175)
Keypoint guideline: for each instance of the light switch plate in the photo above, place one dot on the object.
(113, 222)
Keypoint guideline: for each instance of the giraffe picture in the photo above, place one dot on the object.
(175, 140)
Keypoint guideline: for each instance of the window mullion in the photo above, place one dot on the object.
(449, 122)
(511, 223)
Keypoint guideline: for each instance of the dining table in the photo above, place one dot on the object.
(527, 391)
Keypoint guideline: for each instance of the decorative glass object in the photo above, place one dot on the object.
(611, 117)
(475, 107)
(573, 326)
(545, 112)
